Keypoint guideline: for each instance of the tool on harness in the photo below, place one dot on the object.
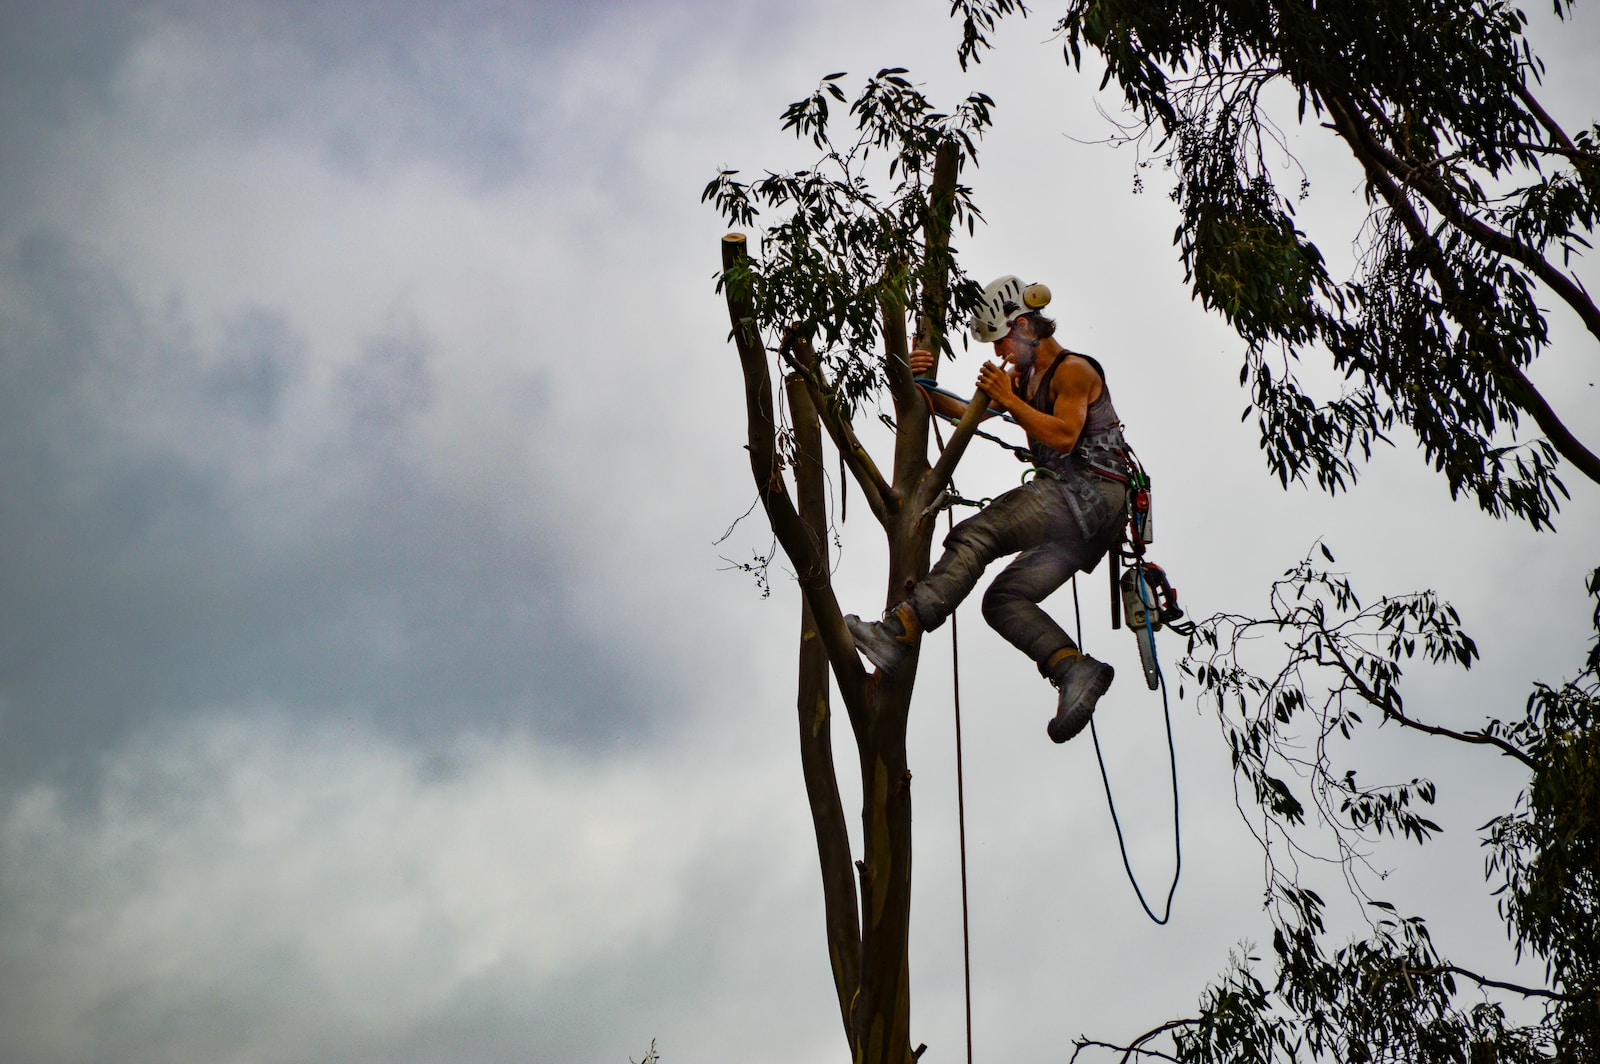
(1142, 592)
(1144, 512)
(1149, 601)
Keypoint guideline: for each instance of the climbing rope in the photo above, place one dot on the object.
(1172, 754)
(961, 817)
(952, 499)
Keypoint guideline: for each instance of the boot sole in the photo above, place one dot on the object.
(1059, 725)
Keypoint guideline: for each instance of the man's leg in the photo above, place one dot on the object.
(1011, 606)
(1021, 518)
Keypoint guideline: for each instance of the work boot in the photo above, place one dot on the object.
(886, 643)
(1082, 681)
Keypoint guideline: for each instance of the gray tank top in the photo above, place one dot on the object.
(1100, 447)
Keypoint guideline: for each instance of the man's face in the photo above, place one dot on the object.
(1017, 346)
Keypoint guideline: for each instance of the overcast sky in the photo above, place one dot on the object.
(372, 685)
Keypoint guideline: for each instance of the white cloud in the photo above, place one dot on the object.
(276, 893)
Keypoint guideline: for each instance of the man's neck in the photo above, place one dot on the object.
(1045, 352)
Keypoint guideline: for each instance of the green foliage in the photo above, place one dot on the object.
(1474, 191)
(843, 251)
(1548, 850)
(1390, 994)
(979, 18)
(1280, 734)
(1477, 197)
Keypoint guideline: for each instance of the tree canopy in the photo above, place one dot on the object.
(1390, 993)
(846, 246)
(1479, 200)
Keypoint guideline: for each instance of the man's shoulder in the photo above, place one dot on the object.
(1077, 372)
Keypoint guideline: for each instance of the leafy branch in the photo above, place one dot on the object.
(1390, 995)
(843, 251)
(1478, 202)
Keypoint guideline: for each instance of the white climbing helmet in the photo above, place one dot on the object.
(1005, 300)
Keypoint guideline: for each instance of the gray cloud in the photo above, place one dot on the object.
(366, 688)
(147, 574)
(245, 889)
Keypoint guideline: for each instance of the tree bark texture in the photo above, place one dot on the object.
(840, 914)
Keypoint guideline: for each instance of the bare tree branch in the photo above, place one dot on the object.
(1536, 109)
(934, 484)
(1450, 208)
(1525, 991)
(881, 498)
(935, 307)
(1478, 738)
(1330, 656)
(1135, 1047)
(910, 411)
(841, 911)
(803, 549)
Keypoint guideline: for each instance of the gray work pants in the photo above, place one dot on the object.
(1060, 527)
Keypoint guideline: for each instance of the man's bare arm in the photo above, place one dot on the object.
(949, 406)
(1074, 386)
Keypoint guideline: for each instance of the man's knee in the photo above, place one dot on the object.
(974, 538)
(1001, 597)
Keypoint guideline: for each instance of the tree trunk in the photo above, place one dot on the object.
(867, 947)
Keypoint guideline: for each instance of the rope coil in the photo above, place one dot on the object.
(1105, 777)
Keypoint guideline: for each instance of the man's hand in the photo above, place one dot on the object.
(921, 362)
(997, 383)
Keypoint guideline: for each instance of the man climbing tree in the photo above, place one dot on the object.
(1479, 203)
(1063, 521)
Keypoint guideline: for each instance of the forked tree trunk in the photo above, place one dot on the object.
(867, 909)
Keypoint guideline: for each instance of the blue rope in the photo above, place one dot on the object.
(1172, 754)
(933, 386)
(1023, 454)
